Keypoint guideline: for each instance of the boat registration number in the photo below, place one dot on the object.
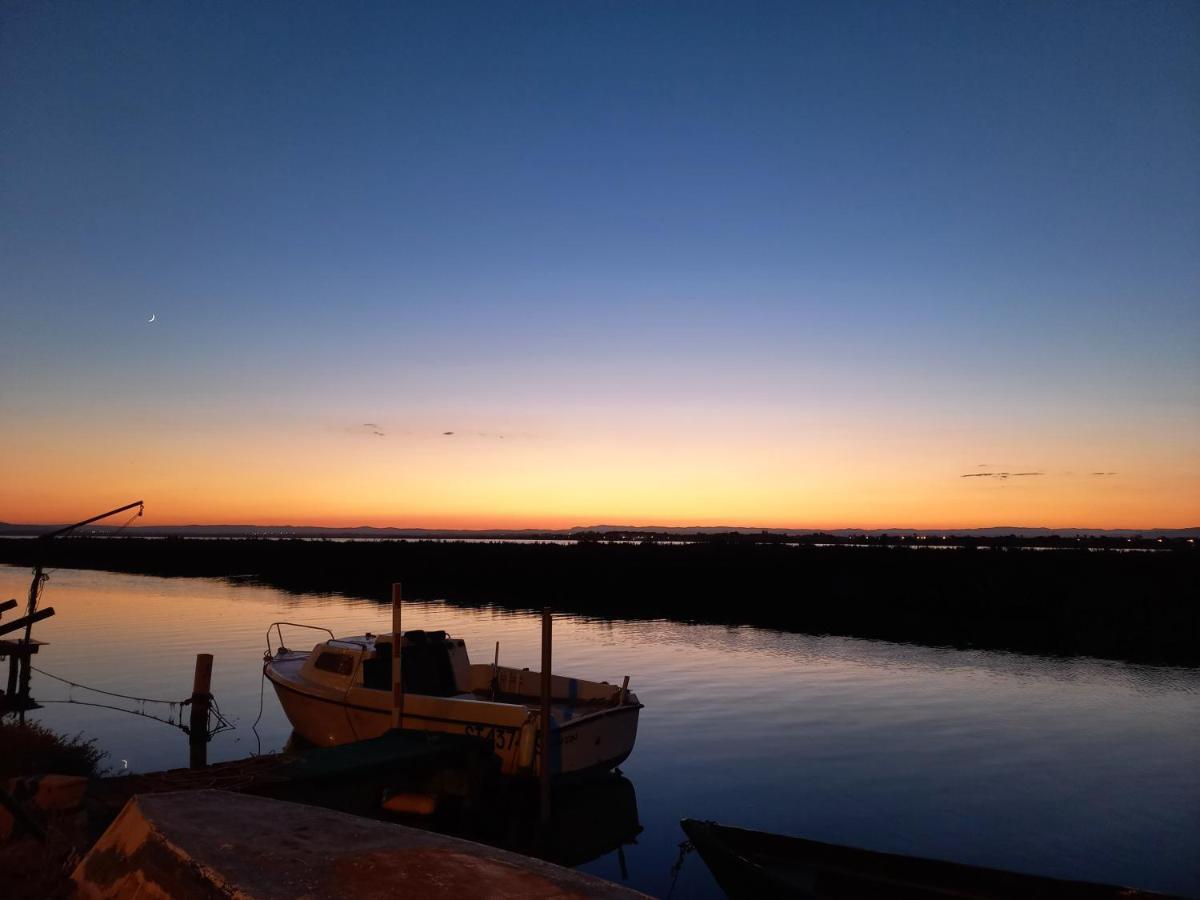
(501, 738)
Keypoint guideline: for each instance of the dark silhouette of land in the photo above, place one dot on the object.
(1103, 599)
(633, 532)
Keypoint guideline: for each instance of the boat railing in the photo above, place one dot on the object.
(279, 634)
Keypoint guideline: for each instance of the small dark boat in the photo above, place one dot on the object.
(753, 864)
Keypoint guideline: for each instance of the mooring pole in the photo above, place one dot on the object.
(201, 700)
(547, 638)
(397, 682)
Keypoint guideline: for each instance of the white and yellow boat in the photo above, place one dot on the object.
(341, 691)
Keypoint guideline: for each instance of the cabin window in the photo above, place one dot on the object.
(335, 662)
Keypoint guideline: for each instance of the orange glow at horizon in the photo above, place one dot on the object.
(752, 475)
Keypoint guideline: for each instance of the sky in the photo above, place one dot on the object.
(520, 264)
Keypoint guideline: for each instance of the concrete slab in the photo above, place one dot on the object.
(216, 844)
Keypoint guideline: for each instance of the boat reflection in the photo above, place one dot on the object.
(592, 819)
(589, 819)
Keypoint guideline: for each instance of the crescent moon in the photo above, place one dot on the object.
(153, 316)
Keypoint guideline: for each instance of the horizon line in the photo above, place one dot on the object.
(798, 529)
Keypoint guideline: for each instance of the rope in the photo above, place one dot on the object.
(223, 724)
(76, 684)
(113, 533)
(685, 847)
(132, 712)
(215, 724)
(258, 737)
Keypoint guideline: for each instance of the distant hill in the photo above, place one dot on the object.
(367, 531)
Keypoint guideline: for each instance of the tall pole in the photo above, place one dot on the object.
(547, 638)
(397, 685)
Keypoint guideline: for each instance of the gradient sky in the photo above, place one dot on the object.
(683, 263)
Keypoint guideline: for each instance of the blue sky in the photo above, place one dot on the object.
(573, 216)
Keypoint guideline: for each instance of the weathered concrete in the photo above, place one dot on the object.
(215, 844)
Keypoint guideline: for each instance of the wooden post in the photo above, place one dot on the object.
(547, 637)
(201, 699)
(397, 681)
(496, 671)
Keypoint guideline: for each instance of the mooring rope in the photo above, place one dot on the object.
(212, 727)
(133, 712)
(258, 737)
(86, 687)
(685, 847)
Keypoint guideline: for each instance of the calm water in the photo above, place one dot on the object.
(1081, 769)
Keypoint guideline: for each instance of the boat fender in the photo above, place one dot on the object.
(526, 743)
(412, 804)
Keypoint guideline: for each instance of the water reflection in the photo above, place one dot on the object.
(590, 821)
(1075, 768)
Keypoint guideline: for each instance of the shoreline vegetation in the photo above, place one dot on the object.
(1083, 597)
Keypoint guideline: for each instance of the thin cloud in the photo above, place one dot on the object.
(1001, 476)
(1104, 473)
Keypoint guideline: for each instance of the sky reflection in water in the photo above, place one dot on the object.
(1075, 768)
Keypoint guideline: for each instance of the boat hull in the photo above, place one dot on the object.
(588, 742)
(752, 864)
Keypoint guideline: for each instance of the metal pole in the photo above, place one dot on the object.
(397, 682)
(547, 638)
(38, 577)
(201, 698)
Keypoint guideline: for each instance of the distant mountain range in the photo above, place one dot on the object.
(366, 531)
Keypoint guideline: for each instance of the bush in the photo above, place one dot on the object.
(33, 749)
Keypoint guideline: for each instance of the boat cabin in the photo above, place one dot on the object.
(431, 662)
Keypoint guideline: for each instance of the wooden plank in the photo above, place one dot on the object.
(16, 624)
(20, 647)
